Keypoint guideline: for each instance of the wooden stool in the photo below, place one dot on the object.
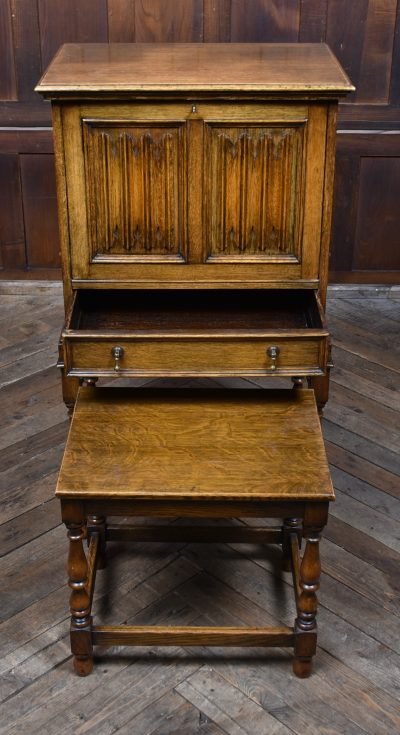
(194, 454)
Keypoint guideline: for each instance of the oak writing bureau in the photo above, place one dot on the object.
(195, 192)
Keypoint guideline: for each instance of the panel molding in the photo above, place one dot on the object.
(135, 182)
(238, 224)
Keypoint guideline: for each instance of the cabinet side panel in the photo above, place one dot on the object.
(75, 178)
(61, 188)
(315, 165)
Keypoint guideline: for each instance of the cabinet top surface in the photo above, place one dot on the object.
(197, 67)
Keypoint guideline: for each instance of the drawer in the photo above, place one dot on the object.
(187, 333)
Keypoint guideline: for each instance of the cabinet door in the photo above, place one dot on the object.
(204, 194)
(263, 184)
(127, 192)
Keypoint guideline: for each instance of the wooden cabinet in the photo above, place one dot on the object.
(195, 167)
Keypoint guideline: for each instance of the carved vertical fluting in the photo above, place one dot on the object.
(306, 624)
(263, 193)
(81, 621)
(104, 238)
(168, 184)
(222, 227)
(125, 197)
(253, 199)
(135, 189)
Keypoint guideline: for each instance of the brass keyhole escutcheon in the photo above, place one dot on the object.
(273, 353)
(117, 353)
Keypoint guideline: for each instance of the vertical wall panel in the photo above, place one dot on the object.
(70, 20)
(345, 209)
(345, 34)
(167, 20)
(40, 210)
(26, 48)
(217, 20)
(8, 88)
(265, 20)
(313, 17)
(374, 83)
(394, 94)
(12, 235)
(121, 21)
(377, 239)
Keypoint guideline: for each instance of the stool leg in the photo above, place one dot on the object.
(306, 625)
(80, 606)
(97, 524)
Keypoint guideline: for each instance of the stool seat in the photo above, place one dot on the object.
(225, 454)
(204, 444)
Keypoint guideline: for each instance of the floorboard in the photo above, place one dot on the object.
(355, 688)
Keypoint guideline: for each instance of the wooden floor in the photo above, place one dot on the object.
(356, 684)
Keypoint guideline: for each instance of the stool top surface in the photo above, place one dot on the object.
(203, 444)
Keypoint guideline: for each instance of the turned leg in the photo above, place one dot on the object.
(81, 621)
(97, 524)
(306, 625)
(290, 525)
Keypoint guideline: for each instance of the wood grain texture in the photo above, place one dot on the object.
(26, 49)
(70, 20)
(12, 230)
(135, 187)
(263, 67)
(379, 182)
(221, 452)
(260, 20)
(216, 20)
(341, 21)
(374, 84)
(8, 90)
(38, 185)
(121, 21)
(164, 20)
(190, 357)
(366, 178)
(254, 197)
(313, 18)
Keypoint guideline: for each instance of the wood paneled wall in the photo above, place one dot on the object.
(364, 34)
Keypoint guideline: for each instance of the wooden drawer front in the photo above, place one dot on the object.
(193, 356)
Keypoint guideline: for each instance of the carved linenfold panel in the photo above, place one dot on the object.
(135, 189)
(254, 206)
